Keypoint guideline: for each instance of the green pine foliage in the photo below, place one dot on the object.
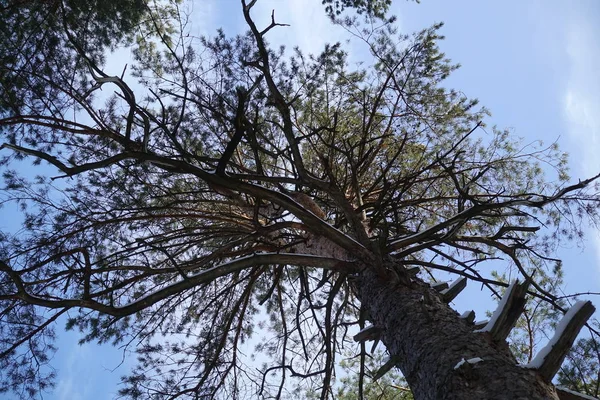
(581, 372)
(225, 199)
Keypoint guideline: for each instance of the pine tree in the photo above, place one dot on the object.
(255, 191)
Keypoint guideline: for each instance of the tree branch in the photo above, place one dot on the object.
(175, 288)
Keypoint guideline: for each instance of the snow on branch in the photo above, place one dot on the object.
(370, 332)
(509, 309)
(548, 361)
(566, 394)
(468, 316)
(439, 286)
(478, 325)
(470, 361)
(454, 290)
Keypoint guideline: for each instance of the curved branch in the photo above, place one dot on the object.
(178, 287)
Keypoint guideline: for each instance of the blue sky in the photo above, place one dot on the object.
(534, 64)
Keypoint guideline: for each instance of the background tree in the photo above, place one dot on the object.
(580, 372)
(254, 190)
(391, 386)
(376, 8)
(38, 55)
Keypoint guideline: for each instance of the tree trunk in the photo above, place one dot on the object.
(427, 339)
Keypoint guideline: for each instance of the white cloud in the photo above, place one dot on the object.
(582, 111)
(582, 101)
(70, 385)
(309, 27)
(202, 16)
(582, 98)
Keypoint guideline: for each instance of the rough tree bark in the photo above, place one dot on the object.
(428, 339)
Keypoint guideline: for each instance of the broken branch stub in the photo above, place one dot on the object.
(469, 316)
(508, 312)
(566, 394)
(439, 286)
(548, 361)
(386, 367)
(454, 290)
(371, 332)
(478, 325)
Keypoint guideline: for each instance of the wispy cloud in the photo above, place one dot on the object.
(70, 385)
(87, 371)
(309, 28)
(582, 97)
(582, 100)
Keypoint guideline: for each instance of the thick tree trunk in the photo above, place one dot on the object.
(428, 340)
